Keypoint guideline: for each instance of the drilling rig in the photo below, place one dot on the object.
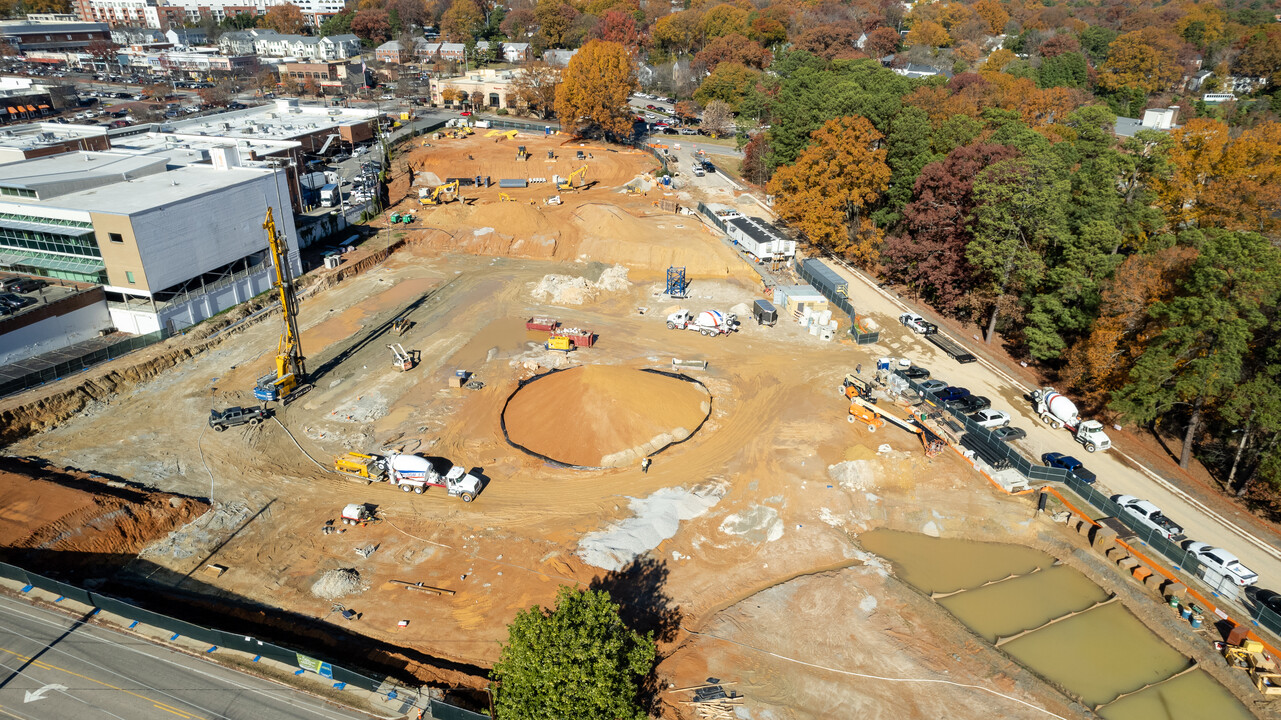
(290, 378)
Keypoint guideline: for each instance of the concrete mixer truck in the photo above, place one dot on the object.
(1057, 411)
(416, 474)
(708, 322)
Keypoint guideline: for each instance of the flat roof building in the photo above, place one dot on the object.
(171, 243)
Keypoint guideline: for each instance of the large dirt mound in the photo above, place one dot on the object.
(604, 416)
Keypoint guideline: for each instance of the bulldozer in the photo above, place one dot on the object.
(434, 197)
(522, 154)
(566, 184)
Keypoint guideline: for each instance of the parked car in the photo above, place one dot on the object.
(970, 404)
(991, 418)
(1009, 433)
(951, 393)
(1269, 599)
(1149, 515)
(1223, 562)
(16, 302)
(918, 324)
(23, 284)
(1069, 463)
(708, 166)
(933, 386)
(916, 372)
(465, 113)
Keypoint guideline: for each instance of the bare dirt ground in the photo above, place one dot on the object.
(746, 533)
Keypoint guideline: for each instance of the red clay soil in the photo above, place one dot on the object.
(604, 416)
(67, 511)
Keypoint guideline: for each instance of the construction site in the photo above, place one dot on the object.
(485, 401)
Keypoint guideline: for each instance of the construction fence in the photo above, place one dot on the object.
(84, 362)
(981, 439)
(218, 639)
(810, 272)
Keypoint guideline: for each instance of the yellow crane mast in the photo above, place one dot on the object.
(291, 369)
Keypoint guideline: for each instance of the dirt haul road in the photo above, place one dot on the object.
(774, 488)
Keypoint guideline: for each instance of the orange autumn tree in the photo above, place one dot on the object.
(1217, 180)
(929, 34)
(993, 14)
(826, 191)
(594, 90)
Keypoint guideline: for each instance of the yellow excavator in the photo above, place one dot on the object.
(504, 197)
(566, 184)
(434, 197)
(289, 379)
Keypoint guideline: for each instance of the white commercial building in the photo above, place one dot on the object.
(166, 14)
(172, 244)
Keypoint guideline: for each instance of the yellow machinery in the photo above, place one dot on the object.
(492, 133)
(434, 197)
(358, 465)
(522, 154)
(560, 342)
(291, 371)
(862, 410)
(567, 183)
(502, 136)
(504, 197)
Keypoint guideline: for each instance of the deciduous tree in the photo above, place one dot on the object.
(1220, 181)
(993, 14)
(555, 20)
(620, 27)
(372, 25)
(733, 48)
(834, 41)
(597, 84)
(829, 188)
(730, 82)
(881, 42)
(535, 87)
(285, 18)
(928, 34)
(1146, 59)
(463, 21)
(718, 118)
(724, 19)
(1262, 54)
(576, 660)
(676, 32)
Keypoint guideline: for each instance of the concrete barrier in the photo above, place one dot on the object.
(1175, 589)
(1127, 563)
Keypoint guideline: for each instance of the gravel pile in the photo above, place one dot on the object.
(574, 290)
(337, 583)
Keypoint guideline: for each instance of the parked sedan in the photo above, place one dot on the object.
(1223, 562)
(951, 393)
(22, 284)
(970, 404)
(933, 386)
(1069, 463)
(16, 302)
(1008, 433)
(991, 418)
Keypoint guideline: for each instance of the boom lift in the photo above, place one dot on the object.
(567, 183)
(291, 371)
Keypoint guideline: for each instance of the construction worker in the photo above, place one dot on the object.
(645, 465)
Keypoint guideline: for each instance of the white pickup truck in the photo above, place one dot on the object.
(1150, 516)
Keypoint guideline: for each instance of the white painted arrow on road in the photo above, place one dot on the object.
(34, 695)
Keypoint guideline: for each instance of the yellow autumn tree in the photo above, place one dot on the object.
(993, 14)
(594, 89)
(1203, 25)
(826, 192)
(1217, 180)
(929, 34)
(1145, 59)
(997, 61)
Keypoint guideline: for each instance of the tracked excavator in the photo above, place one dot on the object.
(566, 184)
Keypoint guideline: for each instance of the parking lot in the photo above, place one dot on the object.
(13, 302)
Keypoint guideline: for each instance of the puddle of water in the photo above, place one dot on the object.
(1012, 606)
(506, 334)
(942, 566)
(1194, 696)
(1099, 654)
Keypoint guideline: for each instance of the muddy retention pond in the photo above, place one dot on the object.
(1058, 623)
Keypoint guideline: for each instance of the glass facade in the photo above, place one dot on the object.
(65, 249)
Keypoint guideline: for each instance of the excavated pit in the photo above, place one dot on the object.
(599, 416)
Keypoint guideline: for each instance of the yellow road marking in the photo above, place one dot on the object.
(47, 666)
(6, 712)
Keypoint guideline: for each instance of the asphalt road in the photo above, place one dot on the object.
(54, 668)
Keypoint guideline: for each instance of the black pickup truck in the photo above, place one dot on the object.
(234, 416)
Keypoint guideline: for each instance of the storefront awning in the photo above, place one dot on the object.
(13, 111)
(31, 108)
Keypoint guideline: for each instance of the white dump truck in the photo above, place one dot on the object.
(708, 322)
(1057, 411)
(416, 474)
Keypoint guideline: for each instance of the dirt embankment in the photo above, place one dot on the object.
(83, 518)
